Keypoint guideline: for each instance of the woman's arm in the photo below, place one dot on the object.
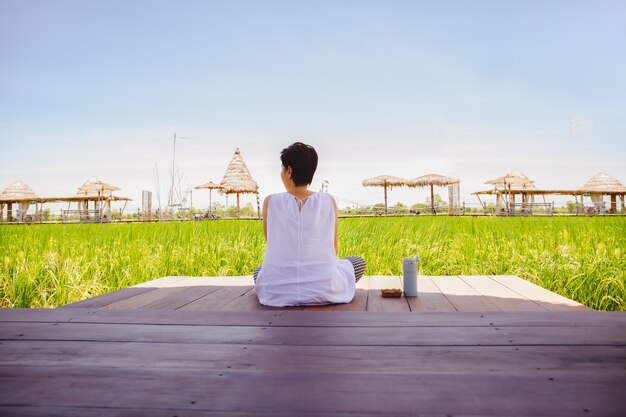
(266, 204)
(336, 226)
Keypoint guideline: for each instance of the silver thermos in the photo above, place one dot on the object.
(410, 267)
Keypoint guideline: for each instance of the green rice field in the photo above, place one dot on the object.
(51, 265)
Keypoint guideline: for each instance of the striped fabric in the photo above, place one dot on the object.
(358, 264)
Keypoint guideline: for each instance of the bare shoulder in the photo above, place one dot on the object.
(332, 201)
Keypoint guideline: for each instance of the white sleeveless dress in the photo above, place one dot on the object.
(300, 265)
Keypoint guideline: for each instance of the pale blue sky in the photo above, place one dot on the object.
(465, 88)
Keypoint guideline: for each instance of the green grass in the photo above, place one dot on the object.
(50, 265)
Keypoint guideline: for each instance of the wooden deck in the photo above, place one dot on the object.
(447, 293)
(181, 347)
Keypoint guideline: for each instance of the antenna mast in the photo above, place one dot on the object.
(175, 197)
(170, 198)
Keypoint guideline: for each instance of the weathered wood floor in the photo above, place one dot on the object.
(83, 362)
(448, 293)
(161, 349)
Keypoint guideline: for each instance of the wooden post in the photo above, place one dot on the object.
(1, 212)
(9, 211)
(480, 201)
(512, 212)
(238, 205)
(613, 203)
(385, 187)
(258, 205)
(432, 199)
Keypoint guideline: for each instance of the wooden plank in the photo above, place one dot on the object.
(144, 299)
(500, 295)
(429, 297)
(318, 336)
(217, 299)
(462, 296)
(517, 294)
(179, 299)
(250, 302)
(317, 319)
(242, 281)
(547, 299)
(109, 362)
(376, 302)
(300, 392)
(170, 281)
(365, 359)
(165, 282)
(53, 411)
(161, 282)
(245, 302)
(108, 298)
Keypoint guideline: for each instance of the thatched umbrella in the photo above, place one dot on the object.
(603, 184)
(18, 192)
(384, 181)
(237, 179)
(513, 180)
(97, 189)
(209, 186)
(433, 180)
(510, 184)
(94, 187)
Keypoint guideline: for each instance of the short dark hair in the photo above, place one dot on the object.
(302, 159)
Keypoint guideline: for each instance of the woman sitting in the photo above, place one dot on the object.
(301, 265)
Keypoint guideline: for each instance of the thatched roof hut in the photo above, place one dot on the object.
(93, 187)
(19, 191)
(505, 189)
(237, 178)
(602, 183)
(514, 180)
(432, 180)
(384, 181)
(100, 192)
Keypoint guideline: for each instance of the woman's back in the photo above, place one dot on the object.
(301, 265)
